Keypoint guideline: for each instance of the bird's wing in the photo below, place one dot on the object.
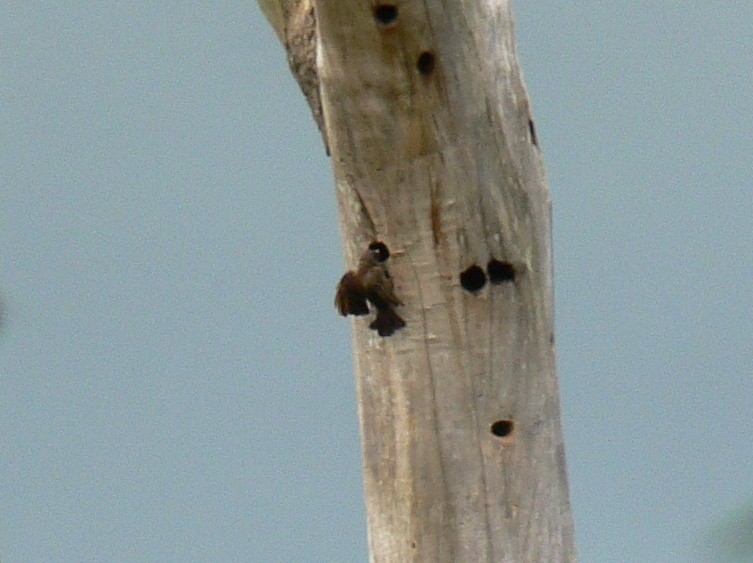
(350, 299)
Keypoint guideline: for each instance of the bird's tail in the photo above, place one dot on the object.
(387, 321)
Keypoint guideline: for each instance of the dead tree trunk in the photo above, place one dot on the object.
(428, 123)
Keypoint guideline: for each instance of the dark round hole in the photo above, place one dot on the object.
(379, 250)
(500, 272)
(385, 13)
(473, 278)
(502, 428)
(425, 63)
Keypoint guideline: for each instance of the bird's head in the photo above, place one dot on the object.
(378, 252)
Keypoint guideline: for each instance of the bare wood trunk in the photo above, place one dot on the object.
(434, 151)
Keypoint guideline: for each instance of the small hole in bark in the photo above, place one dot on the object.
(473, 278)
(502, 428)
(532, 130)
(500, 272)
(425, 63)
(385, 13)
(379, 251)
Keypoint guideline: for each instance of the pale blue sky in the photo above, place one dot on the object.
(171, 391)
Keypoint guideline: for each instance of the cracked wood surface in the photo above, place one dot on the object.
(443, 166)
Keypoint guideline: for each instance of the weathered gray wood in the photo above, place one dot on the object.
(443, 167)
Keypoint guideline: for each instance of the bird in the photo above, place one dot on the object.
(371, 283)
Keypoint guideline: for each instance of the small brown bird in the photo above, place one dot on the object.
(371, 283)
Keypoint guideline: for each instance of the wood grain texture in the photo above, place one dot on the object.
(441, 164)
